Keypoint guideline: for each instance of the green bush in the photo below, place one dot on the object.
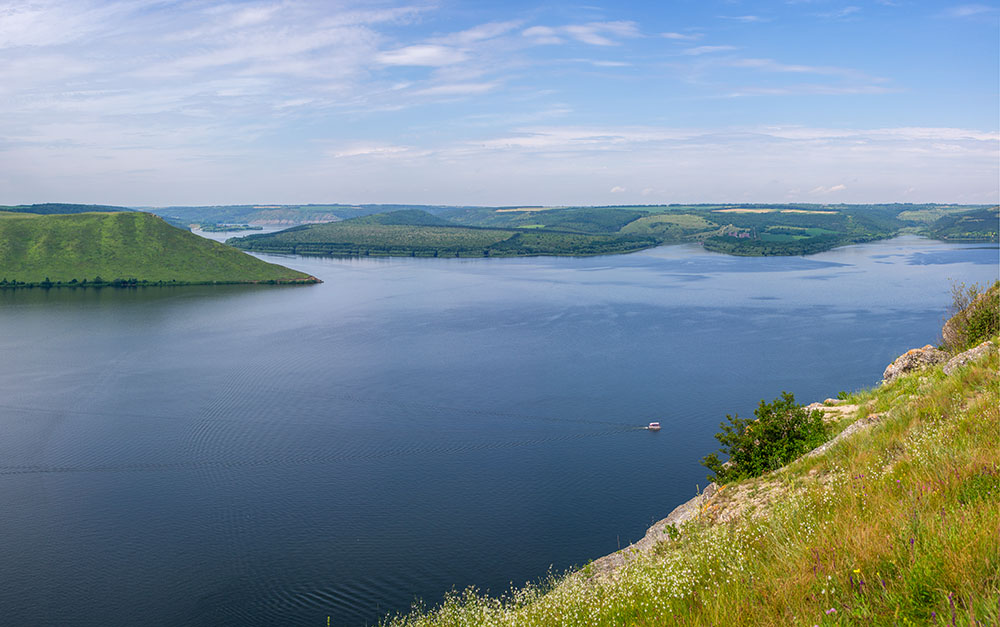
(976, 316)
(781, 432)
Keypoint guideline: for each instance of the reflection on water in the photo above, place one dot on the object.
(258, 455)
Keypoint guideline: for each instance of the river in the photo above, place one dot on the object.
(252, 455)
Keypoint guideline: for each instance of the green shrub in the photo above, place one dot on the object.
(781, 432)
(976, 316)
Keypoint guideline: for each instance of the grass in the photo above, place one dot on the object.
(895, 526)
(663, 222)
(419, 234)
(41, 249)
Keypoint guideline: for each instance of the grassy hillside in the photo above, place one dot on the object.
(743, 229)
(420, 234)
(975, 226)
(36, 248)
(60, 207)
(895, 525)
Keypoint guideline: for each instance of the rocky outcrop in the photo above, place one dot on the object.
(914, 359)
(972, 354)
(659, 532)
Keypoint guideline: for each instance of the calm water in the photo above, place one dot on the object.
(261, 456)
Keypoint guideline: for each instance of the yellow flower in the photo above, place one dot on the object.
(857, 570)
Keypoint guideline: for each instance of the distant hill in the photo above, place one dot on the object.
(738, 229)
(60, 207)
(120, 247)
(981, 225)
(411, 217)
(290, 215)
(416, 233)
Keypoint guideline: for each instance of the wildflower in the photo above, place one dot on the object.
(832, 610)
(857, 570)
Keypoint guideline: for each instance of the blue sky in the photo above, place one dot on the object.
(489, 103)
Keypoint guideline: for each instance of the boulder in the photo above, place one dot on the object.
(972, 354)
(914, 359)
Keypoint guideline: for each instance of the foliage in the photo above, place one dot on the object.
(781, 432)
(52, 250)
(412, 217)
(975, 315)
(981, 225)
(389, 235)
(59, 207)
(741, 229)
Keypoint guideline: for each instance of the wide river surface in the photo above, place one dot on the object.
(280, 455)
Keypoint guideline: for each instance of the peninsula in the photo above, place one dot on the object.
(121, 248)
(745, 229)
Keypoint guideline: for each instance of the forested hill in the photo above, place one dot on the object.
(746, 229)
(49, 208)
(121, 248)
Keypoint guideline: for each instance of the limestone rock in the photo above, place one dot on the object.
(914, 359)
(972, 354)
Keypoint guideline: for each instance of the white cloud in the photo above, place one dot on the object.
(593, 33)
(682, 36)
(770, 65)
(542, 35)
(482, 32)
(699, 50)
(617, 189)
(840, 13)
(422, 54)
(824, 191)
(457, 89)
(968, 10)
(746, 19)
(369, 150)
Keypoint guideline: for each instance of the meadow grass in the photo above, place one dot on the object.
(897, 525)
(124, 245)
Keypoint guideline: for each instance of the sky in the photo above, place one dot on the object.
(202, 102)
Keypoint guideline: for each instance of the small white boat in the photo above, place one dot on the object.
(653, 426)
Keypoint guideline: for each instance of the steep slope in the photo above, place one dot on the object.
(35, 249)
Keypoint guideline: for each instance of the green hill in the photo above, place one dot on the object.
(419, 234)
(741, 229)
(411, 217)
(981, 225)
(60, 207)
(125, 247)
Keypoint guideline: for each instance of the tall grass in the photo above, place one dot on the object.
(899, 525)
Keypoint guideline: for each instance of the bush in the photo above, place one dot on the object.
(781, 432)
(976, 316)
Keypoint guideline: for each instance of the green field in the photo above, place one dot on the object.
(125, 247)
